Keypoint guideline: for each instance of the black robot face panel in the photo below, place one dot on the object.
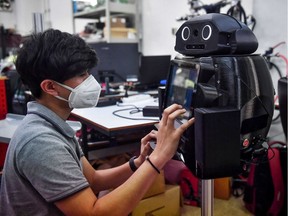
(214, 34)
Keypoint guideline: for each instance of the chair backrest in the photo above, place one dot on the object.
(16, 89)
(282, 94)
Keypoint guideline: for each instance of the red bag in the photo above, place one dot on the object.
(176, 172)
(191, 188)
(265, 192)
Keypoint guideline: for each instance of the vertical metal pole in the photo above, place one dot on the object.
(207, 205)
(108, 35)
(38, 22)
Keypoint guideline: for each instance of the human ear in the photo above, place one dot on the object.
(49, 87)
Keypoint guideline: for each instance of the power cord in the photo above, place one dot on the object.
(133, 109)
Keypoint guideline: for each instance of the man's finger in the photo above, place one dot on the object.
(168, 111)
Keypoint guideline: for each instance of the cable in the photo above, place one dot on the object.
(268, 55)
(282, 144)
(286, 61)
(264, 157)
(240, 12)
(280, 43)
(134, 109)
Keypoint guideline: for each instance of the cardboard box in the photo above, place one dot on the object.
(118, 22)
(222, 188)
(157, 187)
(164, 204)
(117, 32)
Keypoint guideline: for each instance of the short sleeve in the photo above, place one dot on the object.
(52, 167)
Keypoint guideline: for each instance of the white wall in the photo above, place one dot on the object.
(271, 27)
(158, 19)
(61, 14)
(7, 18)
(56, 14)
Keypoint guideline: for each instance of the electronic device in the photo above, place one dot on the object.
(116, 61)
(152, 70)
(107, 101)
(237, 86)
(151, 111)
(214, 33)
(230, 94)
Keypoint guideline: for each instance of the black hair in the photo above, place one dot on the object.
(53, 55)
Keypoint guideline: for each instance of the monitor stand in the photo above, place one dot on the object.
(107, 90)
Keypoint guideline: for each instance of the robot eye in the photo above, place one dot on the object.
(206, 32)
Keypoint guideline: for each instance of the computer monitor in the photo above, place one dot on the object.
(153, 69)
(117, 61)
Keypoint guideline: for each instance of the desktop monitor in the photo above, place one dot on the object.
(117, 61)
(152, 70)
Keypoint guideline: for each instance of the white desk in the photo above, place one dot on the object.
(12, 121)
(102, 120)
(99, 118)
(8, 126)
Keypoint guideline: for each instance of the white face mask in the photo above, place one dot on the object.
(85, 95)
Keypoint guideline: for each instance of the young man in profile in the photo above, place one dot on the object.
(45, 171)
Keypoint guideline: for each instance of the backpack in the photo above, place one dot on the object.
(177, 173)
(265, 190)
(190, 187)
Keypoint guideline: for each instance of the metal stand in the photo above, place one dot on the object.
(207, 204)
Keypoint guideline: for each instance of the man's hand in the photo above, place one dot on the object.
(145, 147)
(168, 136)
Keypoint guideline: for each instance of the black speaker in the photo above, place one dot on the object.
(217, 133)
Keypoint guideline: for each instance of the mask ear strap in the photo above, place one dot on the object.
(64, 86)
(61, 98)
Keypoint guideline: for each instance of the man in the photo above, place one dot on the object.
(45, 172)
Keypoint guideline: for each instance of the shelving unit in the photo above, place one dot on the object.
(108, 11)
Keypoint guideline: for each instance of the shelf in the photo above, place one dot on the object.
(122, 8)
(91, 14)
(112, 40)
(110, 10)
(114, 9)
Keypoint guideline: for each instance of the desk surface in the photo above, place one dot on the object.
(8, 126)
(103, 118)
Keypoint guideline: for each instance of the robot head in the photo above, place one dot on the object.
(214, 33)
